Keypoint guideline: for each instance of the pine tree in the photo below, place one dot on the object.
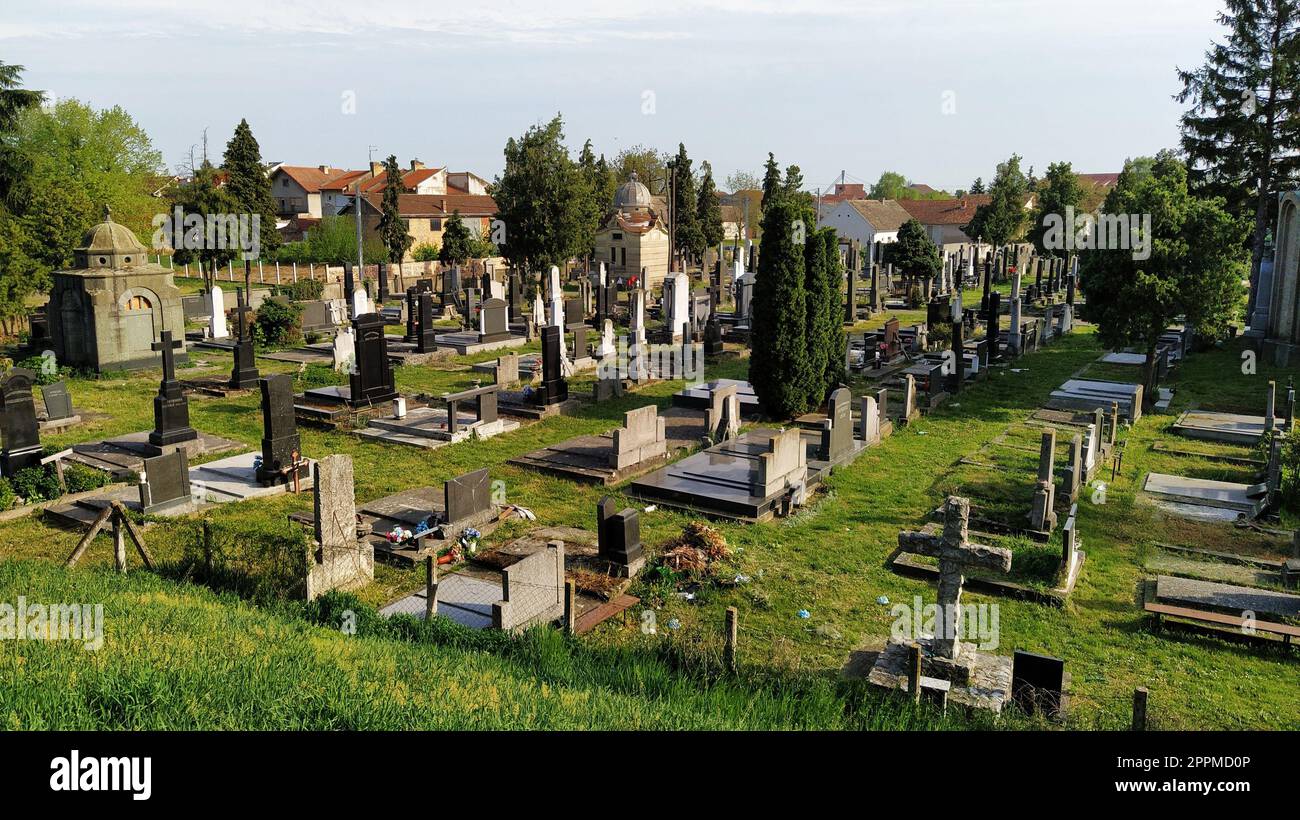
(977, 187)
(779, 363)
(598, 190)
(1240, 135)
(1001, 220)
(13, 101)
(1061, 191)
(915, 253)
(392, 228)
(771, 181)
(687, 236)
(823, 327)
(540, 198)
(249, 186)
(457, 242)
(708, 211)
(835, 344)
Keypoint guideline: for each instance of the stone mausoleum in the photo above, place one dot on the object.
(634, 235)
(106, 311)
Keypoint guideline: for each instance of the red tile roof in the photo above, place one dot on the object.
(945, 211)
(311, 177)
(438, 205)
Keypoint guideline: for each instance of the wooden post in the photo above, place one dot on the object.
(1140, 709)
(207, 547)
(430, 587)
(119, 545)
(732, 628)
(570, 605)
(100, 521)
(914, 672)
(134, 533)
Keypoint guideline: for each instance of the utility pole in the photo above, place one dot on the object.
(356, 205)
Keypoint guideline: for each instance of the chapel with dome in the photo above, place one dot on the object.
(108, 309)
(633, 239)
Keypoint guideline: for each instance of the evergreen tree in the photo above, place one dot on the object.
(915, 253)
(458, 243)
(540, 197)
(1061, 190)
(687, 236)
(1000, 221)
(779, 363)
(1194, 268)
(599, 186)
(249, 186)
(1240, 135)
(977, 187)
(771, 181)
(13, 101)
(824, 311)
(708, 211)
(392, 227)
(207, 199)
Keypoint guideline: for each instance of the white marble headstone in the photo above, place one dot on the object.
(217, 322)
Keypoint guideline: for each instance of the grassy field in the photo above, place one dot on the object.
(268, 666)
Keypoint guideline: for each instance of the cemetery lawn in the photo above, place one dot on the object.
(181, 656)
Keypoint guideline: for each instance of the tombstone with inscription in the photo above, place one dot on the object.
(58, 401)
(371, 379)
(619, 538)
(494, 321)
(281, 445)
(21, 433)
(553, 389)
(340, 559)
(171, 409)
(244, 374)
(165, 482)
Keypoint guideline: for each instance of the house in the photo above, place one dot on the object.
(297, 189)
(633, 236)
(425, 215)
(869, 221)
(733, 221)
(944, 219)
(845, 191)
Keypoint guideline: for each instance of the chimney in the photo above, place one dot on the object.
(416, 165)
(376, 169)
(324, 169)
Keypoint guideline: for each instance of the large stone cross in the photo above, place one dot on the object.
(241, 313)
(167, 346)
(955, 552)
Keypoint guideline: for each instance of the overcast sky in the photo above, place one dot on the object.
(940, 90)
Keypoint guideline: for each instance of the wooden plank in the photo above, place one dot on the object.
(135, 535)
(88, 537)
(590, 619)
(1219, 618)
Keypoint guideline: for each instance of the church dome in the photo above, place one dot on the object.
(110, 245)
(632, 194)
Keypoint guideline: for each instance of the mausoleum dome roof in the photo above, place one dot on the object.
(112, 238)
(632, 194)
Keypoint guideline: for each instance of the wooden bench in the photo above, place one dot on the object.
(1236, 621)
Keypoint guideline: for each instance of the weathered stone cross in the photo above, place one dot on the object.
(955, 552)
(241, 313)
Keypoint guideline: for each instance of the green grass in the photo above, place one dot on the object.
(829, 559)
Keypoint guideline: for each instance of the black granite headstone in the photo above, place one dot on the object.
(553, 389)
(493, 321)
(171, 409)
(244, 375)
(58, 401)
(166, 482)
(383, 283)
(713, 337)
(425, 341)
(371, 381)
(619, 534)
(349, 285)
(21, 433)
(412, 305)
(467, 496)
(281, 445)
(1038, 683)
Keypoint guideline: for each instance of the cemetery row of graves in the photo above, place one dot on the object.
(1067, 538)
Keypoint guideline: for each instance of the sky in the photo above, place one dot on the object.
(939, 90)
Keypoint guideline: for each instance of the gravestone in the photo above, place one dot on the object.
(165, 482)
(58, 401)
(955, 552)
(713, 345)
(641, 438)
(217, 318)
(424, 330)
(349, 287)
(371, 379)
(1073, 476)
(837, 431)
(467, 497)
(171, 409)
(344, 350)
(341, 560)
(281, 445)
(506, 371)
(1042, 514)
(21, 431)
(783, 465)
(722, 418)
(553, 389)
(494, 321)
(244, 374)
(870, 421)
(619, 537)
(532, 590)
(1038, 683)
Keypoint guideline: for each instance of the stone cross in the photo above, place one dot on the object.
(241, 313)
(955, 552)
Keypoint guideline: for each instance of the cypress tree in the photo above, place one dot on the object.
(771, 181)
(779, 364)
(249, 185)
(815, 306)
(834, 344)
(392, 229)
(688, 238)
(708, 212)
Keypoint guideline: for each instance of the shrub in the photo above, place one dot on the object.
(304, 290)
(36, 484)
(7, 494)
(277, 324)
(47, 370)
(425, 252)
(78, 478)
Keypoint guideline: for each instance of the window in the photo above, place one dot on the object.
(284, 182)
(435, 224)
(618, 236)
(138, 303)
(613, 255)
